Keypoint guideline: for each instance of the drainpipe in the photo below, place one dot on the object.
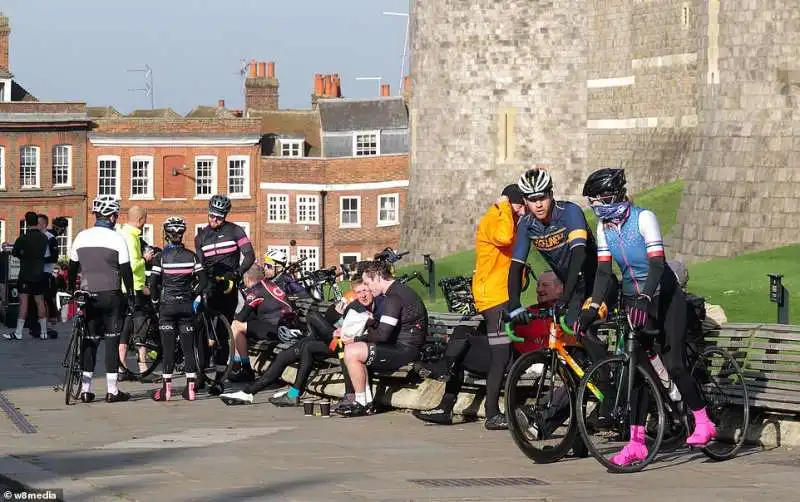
(323, 196)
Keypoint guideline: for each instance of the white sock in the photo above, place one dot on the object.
(361, 398)
(43, 327)
(368, 393)
(191, 376)
(20, 327)
(111, 383)
(86, 381)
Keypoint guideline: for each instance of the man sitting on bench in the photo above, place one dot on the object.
(393, 343)
(468, 348)
(317, 345)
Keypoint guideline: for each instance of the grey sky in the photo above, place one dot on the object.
(81, 49)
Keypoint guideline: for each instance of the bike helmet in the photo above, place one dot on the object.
(605, 182)
(275, 256)
(288, 335)
(60, 222)
(219, 205)
(175, 224)
(535, 183)
(105, 205)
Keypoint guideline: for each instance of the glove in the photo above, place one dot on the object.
(233, 276)
(520, 315)
(561, 307)
(637, 313)
(585, 319)
(196, 303)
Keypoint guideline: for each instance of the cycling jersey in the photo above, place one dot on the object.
(101, 253)
(132, 237)
(219, 249)
(631, 245)
(30, 249)
(555, 240)
(265, 302)
(172, 278)
(404, 320)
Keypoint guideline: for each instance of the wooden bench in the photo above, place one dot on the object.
(769, 355)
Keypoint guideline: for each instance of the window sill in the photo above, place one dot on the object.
(307, 222)
(350, 226)
(62, 187)
(30, 188)
(239, 196)
(203, 197)
(388, 224)
(278, 222)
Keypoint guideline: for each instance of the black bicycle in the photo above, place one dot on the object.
(457, 292)
(630, 371)
(72, 360)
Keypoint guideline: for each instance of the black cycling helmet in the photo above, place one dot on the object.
(605, 182)
(60, 222)
(219, 205)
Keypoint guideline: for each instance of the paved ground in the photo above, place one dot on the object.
(205, 451)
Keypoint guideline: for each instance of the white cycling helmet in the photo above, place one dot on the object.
(275, 256)
(175, 224)
(105, 205)
(535, 183)
(287, 335)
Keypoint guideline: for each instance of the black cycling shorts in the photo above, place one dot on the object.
(104, 314)
(34, 288)
(258, 330)
(385, 357)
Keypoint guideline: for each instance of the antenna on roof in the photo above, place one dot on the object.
(379, 79)
(245, 67)
(405, 46)
(148, 83)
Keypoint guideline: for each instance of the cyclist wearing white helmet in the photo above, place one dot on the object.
(176, 278)
(103, 259)
(274, 261)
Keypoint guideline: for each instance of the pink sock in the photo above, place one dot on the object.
(700, 416)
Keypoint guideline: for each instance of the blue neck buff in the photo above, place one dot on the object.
(104, 223)
(613, 212)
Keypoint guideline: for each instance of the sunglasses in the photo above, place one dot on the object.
(216, 217)
(269, 265)
(601, 200)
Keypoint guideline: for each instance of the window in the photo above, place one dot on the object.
(65, 240)
(23, 227)
(312, 257)
(239, 176)
(2, 231)
(292, 147)
(62, 166)
(245, 226)
(29, 166)
(205, 172)
(108, 175)
(307, 209)
(388, 209)
(141, 178)
(366, 143)
(349, 258)
(277, 208)
(2, 168)
(147, 233)
(349, 211)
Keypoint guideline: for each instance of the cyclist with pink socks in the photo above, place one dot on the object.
(652, 297)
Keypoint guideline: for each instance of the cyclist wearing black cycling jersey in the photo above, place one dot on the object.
(394, 342)
(219, 246)
(630, 235)
(175, 279)
(102, 256)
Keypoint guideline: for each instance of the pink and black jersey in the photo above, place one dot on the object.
(175, 276)
(219, 249)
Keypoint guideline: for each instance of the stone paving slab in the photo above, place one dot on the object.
(206, 451)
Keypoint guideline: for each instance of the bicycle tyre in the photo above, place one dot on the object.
(583, 392)
(515, 424)
(150, 333)
(737, 445)
(72, 371)
(221, 322)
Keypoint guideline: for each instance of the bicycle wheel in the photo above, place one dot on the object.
(224, 334)
(144, 350)
(610, 420)
(72, 364)
(540, 407)
(724, 390)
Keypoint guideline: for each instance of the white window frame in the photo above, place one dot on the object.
(341, 210)
(377, 135)
(67, 236)
(38, 167)
(198, 227)
(149, 177)
(308, 265)
(246, 186)
(342, 255)
(2, 231)
(148, 229)
(68, 184)
(2, 168)
(396, 220)
(246, 227)
(213, 160)
(117, 179)
(291, 145)
(311, 201)
(285, 199)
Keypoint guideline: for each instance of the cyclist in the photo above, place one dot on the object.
(652, 297)
(219, 246)
(175, 279)
(275, 262)
(31, 248)
(102, 255)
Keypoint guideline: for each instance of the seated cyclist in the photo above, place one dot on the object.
(317, 345)
(652, 298)
(265, 308)
(274, 269)
(175, 279)
(219, 247)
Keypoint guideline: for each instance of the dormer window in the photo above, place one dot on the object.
(292, 147)
(5, 90)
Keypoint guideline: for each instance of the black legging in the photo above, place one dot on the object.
(177, 320)
(105, 321)
(667, 313)
(500, 350)
(225, 305)
(466, 349)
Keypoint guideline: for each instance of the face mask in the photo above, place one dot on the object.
(613, 211)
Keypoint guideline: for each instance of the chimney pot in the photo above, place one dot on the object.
(221, 103)
(318, 88)
(252, 69)
(262, 70)
(271, 69)
(386, 90)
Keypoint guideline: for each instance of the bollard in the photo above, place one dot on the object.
(779, 295)
(430, 267)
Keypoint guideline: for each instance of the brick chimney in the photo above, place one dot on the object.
(386, 90)
(261, 87)
(5, 30)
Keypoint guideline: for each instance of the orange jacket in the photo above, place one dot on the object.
(493, 244)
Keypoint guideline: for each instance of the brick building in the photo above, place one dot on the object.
(171, 165)
(42, 155)
(334, 177)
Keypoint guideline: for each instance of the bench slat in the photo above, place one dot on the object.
(776, 368)
(774, 357)
(773, 384)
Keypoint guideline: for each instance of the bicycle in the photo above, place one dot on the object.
(315, 282)
(72, 359)
(457, 292)
(667, 420)
(533, 398)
